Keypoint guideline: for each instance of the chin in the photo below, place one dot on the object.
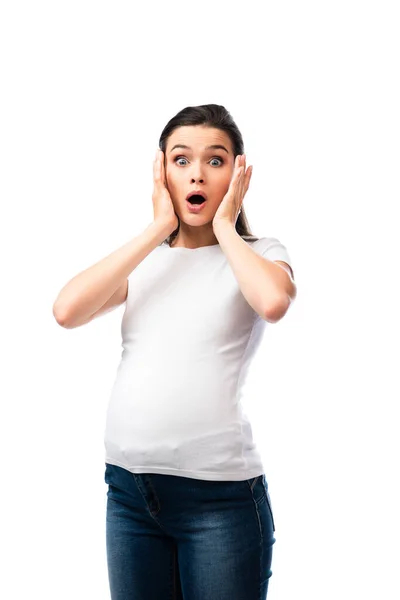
(196, 222)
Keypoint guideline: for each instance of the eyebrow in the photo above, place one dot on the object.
(212, 147)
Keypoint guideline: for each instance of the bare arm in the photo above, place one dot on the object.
(118, 297)
(104, 285)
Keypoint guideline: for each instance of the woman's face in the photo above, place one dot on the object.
(198, 168)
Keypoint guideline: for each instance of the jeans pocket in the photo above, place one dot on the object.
(252, 482)
(110, 470)
(106, 472)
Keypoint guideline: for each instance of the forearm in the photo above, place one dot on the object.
(85, 293)
(262, 282)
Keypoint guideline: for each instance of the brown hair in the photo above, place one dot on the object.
(210, 115)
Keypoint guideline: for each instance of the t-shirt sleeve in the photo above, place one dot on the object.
(273, 249)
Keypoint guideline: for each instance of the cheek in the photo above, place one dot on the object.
(168, 179)
(225, 183)
(227, 176)
(170, 176)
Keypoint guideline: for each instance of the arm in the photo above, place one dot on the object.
(103, 285)
(118, 298)
(265, 284)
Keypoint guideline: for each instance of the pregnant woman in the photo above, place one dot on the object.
(189, 513)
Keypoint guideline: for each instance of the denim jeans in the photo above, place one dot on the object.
(176, 538)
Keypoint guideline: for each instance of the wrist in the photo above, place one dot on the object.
(223, 225)
(161, 229)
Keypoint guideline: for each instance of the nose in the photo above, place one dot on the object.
(196, 173)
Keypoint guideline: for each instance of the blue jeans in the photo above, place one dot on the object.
(177, 538)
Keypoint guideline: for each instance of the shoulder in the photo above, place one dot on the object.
(273, 249)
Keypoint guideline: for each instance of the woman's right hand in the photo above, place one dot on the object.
(164, 211)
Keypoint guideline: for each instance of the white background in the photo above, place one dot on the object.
(87, 88)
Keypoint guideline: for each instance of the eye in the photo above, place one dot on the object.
(179, 158)
(218, 158)
(214, 158)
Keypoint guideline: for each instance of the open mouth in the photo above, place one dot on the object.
(196, 199)
(196, 203)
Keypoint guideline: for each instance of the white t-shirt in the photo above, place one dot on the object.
(188, 337)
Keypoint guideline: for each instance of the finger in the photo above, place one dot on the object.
(157, 170)
(235, 169)
(160, 163)
(248, 177)
(238, 191)
(237, 164)
(246, 180)
(235, 182)
(240, 179)
(158, 174)
(245, 169)
(162, 167)
(155, 167)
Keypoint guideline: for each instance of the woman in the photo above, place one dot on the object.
(188, 509)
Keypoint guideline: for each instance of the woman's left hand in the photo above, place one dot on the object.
(229, 208)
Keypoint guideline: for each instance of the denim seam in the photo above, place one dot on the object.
(254, 482)
(260, 530)
(153, 515)
(174, 558)
(270, 510)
